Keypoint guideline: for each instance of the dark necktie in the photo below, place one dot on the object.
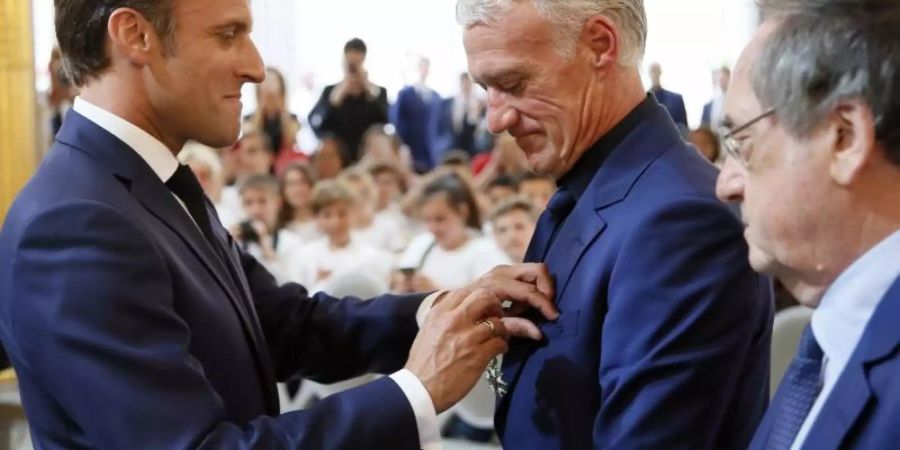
(184, 184)
(798, 391)
(548, 225)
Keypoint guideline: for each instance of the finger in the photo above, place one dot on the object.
(480, 304)
(492, 348)
(524, 328)
(453, 298)
(527, 293)
(536, 274)
(490, 328)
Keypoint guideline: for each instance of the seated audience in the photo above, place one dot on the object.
(537, 188)
(513, 223)
(707, 143)
(381, 230)
(500, 189)
(297, 181)
(259, 235)
(274, 119)
(207, 167)
(338, 251)
(327, 160)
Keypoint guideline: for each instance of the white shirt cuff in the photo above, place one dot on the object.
(426, 305)
(423, 408)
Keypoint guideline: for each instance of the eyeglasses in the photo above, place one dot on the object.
(731, 145)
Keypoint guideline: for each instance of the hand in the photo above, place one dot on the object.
(527, 286)
(453, 348)
(421, 283)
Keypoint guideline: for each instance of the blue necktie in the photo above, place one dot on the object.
(798, 391)
(558, 208)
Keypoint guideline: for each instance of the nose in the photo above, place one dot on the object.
(254, 70)
(730, 184)
(500, 115)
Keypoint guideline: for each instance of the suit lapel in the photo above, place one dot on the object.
(149, 190)
(853, 393)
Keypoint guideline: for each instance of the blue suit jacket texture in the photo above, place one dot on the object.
(663, 339)
(863, 409)
(128, 331)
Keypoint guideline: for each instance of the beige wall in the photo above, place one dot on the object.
(17, 100)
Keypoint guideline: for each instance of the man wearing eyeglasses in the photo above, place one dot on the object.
(814, 156)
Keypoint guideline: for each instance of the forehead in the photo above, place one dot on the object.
(200, 13)
(519, 37)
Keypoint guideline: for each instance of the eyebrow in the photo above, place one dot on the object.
(494, 78)
(239, 25)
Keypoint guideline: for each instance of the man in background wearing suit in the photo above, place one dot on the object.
(663, 338)
(672, 101)
(134, 321)
(712, 111)
(415, 114)
(814, 155)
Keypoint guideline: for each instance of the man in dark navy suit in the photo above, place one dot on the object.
(134, 321)
(814, 157)
(415, 114)
(663, 338)
(672, 101)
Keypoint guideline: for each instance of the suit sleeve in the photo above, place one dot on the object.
(99, 330)
(329, 339)
(684, 309)
(320, 118)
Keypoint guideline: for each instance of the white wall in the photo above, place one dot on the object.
(305, 38)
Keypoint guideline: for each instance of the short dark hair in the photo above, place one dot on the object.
(457, 192)
(81, 28)
(356, 45)
(514, 204)
(504, 181)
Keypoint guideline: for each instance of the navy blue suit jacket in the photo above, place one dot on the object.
(663, 339)
(127, 330)
(863, 409)
(706, 116)
(416, 121)
(674, 104)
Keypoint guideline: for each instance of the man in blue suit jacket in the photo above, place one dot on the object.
(663, 339)
(814, 157)
(134, 321)
(672, 101)
(415, 114)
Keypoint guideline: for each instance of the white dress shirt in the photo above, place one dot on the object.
(841, 318)
(163, 163)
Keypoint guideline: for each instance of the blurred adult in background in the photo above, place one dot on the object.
(513, 221)
(659, 306)
(207, 167)
(347, 109)
(260, 234)
(273, 118)
(712, 110)
(415, 114)
(327, 160)
(462, 116)
(673, 101)
(61, 93)
(706, 142)
(812, 130)
(297, 181)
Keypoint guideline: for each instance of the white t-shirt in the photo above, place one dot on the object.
(287, 247)
(451, 269)
(318, 262)
(230, 208)
(306, 232)
(385, 232)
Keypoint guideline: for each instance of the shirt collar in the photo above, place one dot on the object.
(577, 179)
(841, 317)
(151, 150)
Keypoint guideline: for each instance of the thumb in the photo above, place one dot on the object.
(524, 328)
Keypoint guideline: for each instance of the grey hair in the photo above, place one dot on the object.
(827, 51)
(568, 18)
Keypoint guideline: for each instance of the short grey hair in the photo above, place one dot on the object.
(827, 51)
(569, 17)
